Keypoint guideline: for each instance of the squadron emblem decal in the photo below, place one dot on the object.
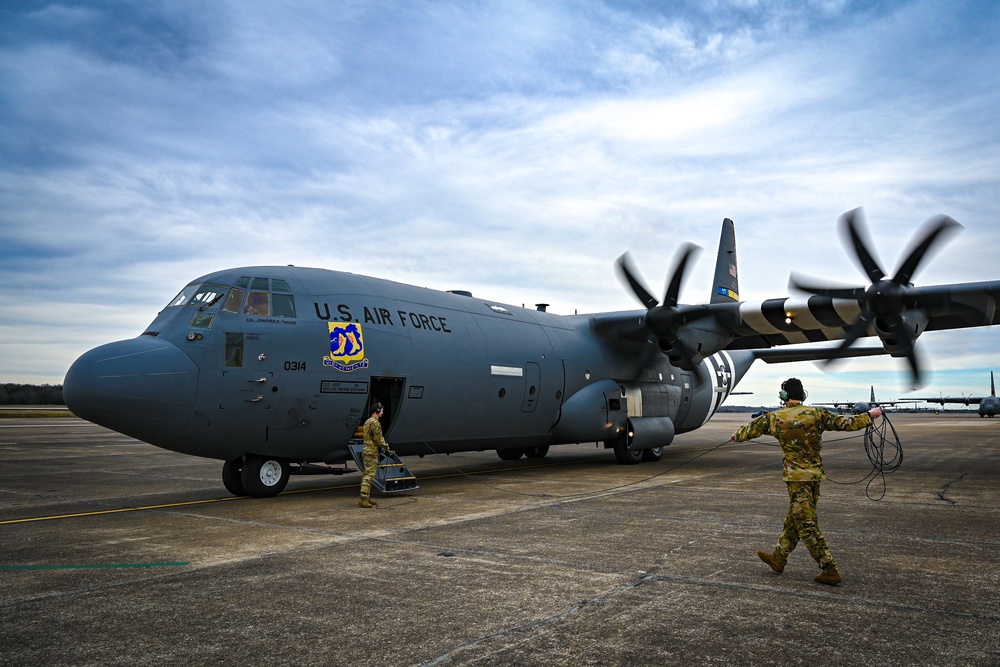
(347, 347)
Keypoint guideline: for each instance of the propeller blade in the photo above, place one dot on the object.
(934, 228)
(851, 334)
(804, 284)
(684, 253)
(627, 270)
(854, 221)
(901, 332)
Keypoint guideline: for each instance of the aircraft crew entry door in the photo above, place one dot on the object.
(389, 392)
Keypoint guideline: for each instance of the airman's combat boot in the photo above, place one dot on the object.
(773, 560)
(366, 502)
(829, 576)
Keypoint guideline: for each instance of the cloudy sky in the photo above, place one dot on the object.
(513, 149)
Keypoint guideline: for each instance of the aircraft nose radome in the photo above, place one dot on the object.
(143, 387)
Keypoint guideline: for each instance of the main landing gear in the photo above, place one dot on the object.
(515, 453)
(626, 455)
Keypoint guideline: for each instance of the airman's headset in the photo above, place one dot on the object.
(377, 407)
(792, 390)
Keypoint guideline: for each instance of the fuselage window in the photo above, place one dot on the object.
(261, 284)
(259, 303)
(234, 300)
(234, 350)
(243, 282)
(279, 285)
(283, 305)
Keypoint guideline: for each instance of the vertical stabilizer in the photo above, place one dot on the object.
(873, 395)
(726, 288)
(993, 387)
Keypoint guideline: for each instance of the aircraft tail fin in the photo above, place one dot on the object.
(873, 394)
(726, 288)
(993, 387)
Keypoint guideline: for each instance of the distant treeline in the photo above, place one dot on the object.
(31, 394)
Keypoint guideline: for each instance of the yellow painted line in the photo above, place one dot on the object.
(207, 501)
(119, 510)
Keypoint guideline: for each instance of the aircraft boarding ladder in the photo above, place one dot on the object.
(391, 475)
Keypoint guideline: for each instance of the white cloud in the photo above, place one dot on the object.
(515, 150)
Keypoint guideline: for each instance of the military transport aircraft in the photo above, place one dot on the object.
(858, 407)
(271, 369)
(989, 406)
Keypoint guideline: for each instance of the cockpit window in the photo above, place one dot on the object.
(205, 296)
(258, 304)
(256, 296)
(234, 300)
(208, 296)
(182, 298)
(284, 305)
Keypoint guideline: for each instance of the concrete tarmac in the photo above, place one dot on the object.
(113, 552)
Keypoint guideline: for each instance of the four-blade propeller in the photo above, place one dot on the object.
(884, 302)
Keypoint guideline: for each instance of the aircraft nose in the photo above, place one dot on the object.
(143, 387)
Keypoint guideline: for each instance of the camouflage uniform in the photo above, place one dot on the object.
(799, 428)
(372, 432)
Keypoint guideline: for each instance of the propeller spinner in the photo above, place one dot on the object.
(886, 300)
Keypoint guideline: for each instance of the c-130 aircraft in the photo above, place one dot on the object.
(271, 369)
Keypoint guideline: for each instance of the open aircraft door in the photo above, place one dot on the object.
(389, 392)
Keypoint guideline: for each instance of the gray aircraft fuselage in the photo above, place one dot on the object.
(284, 362)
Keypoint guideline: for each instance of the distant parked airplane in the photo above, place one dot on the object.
(864, 406)
(988, 405)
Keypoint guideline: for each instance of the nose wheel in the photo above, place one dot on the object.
(232, 476)
(257, 476)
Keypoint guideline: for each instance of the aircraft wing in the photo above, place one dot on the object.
(820, 318)
(967, 400)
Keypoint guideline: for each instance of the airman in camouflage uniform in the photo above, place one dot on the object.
(799, 429)
(372, 433)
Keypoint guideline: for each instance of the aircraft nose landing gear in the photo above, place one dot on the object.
(257, 476)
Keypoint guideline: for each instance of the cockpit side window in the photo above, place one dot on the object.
(283, 305)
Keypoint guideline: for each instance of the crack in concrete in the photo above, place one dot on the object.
(943, 491)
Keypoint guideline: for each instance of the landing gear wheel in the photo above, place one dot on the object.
(263, 476)
(625, 454)
(652, 455)
(538, 452)
(231, 476)
(510, 454)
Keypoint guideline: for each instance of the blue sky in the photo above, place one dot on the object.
(513, 149)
